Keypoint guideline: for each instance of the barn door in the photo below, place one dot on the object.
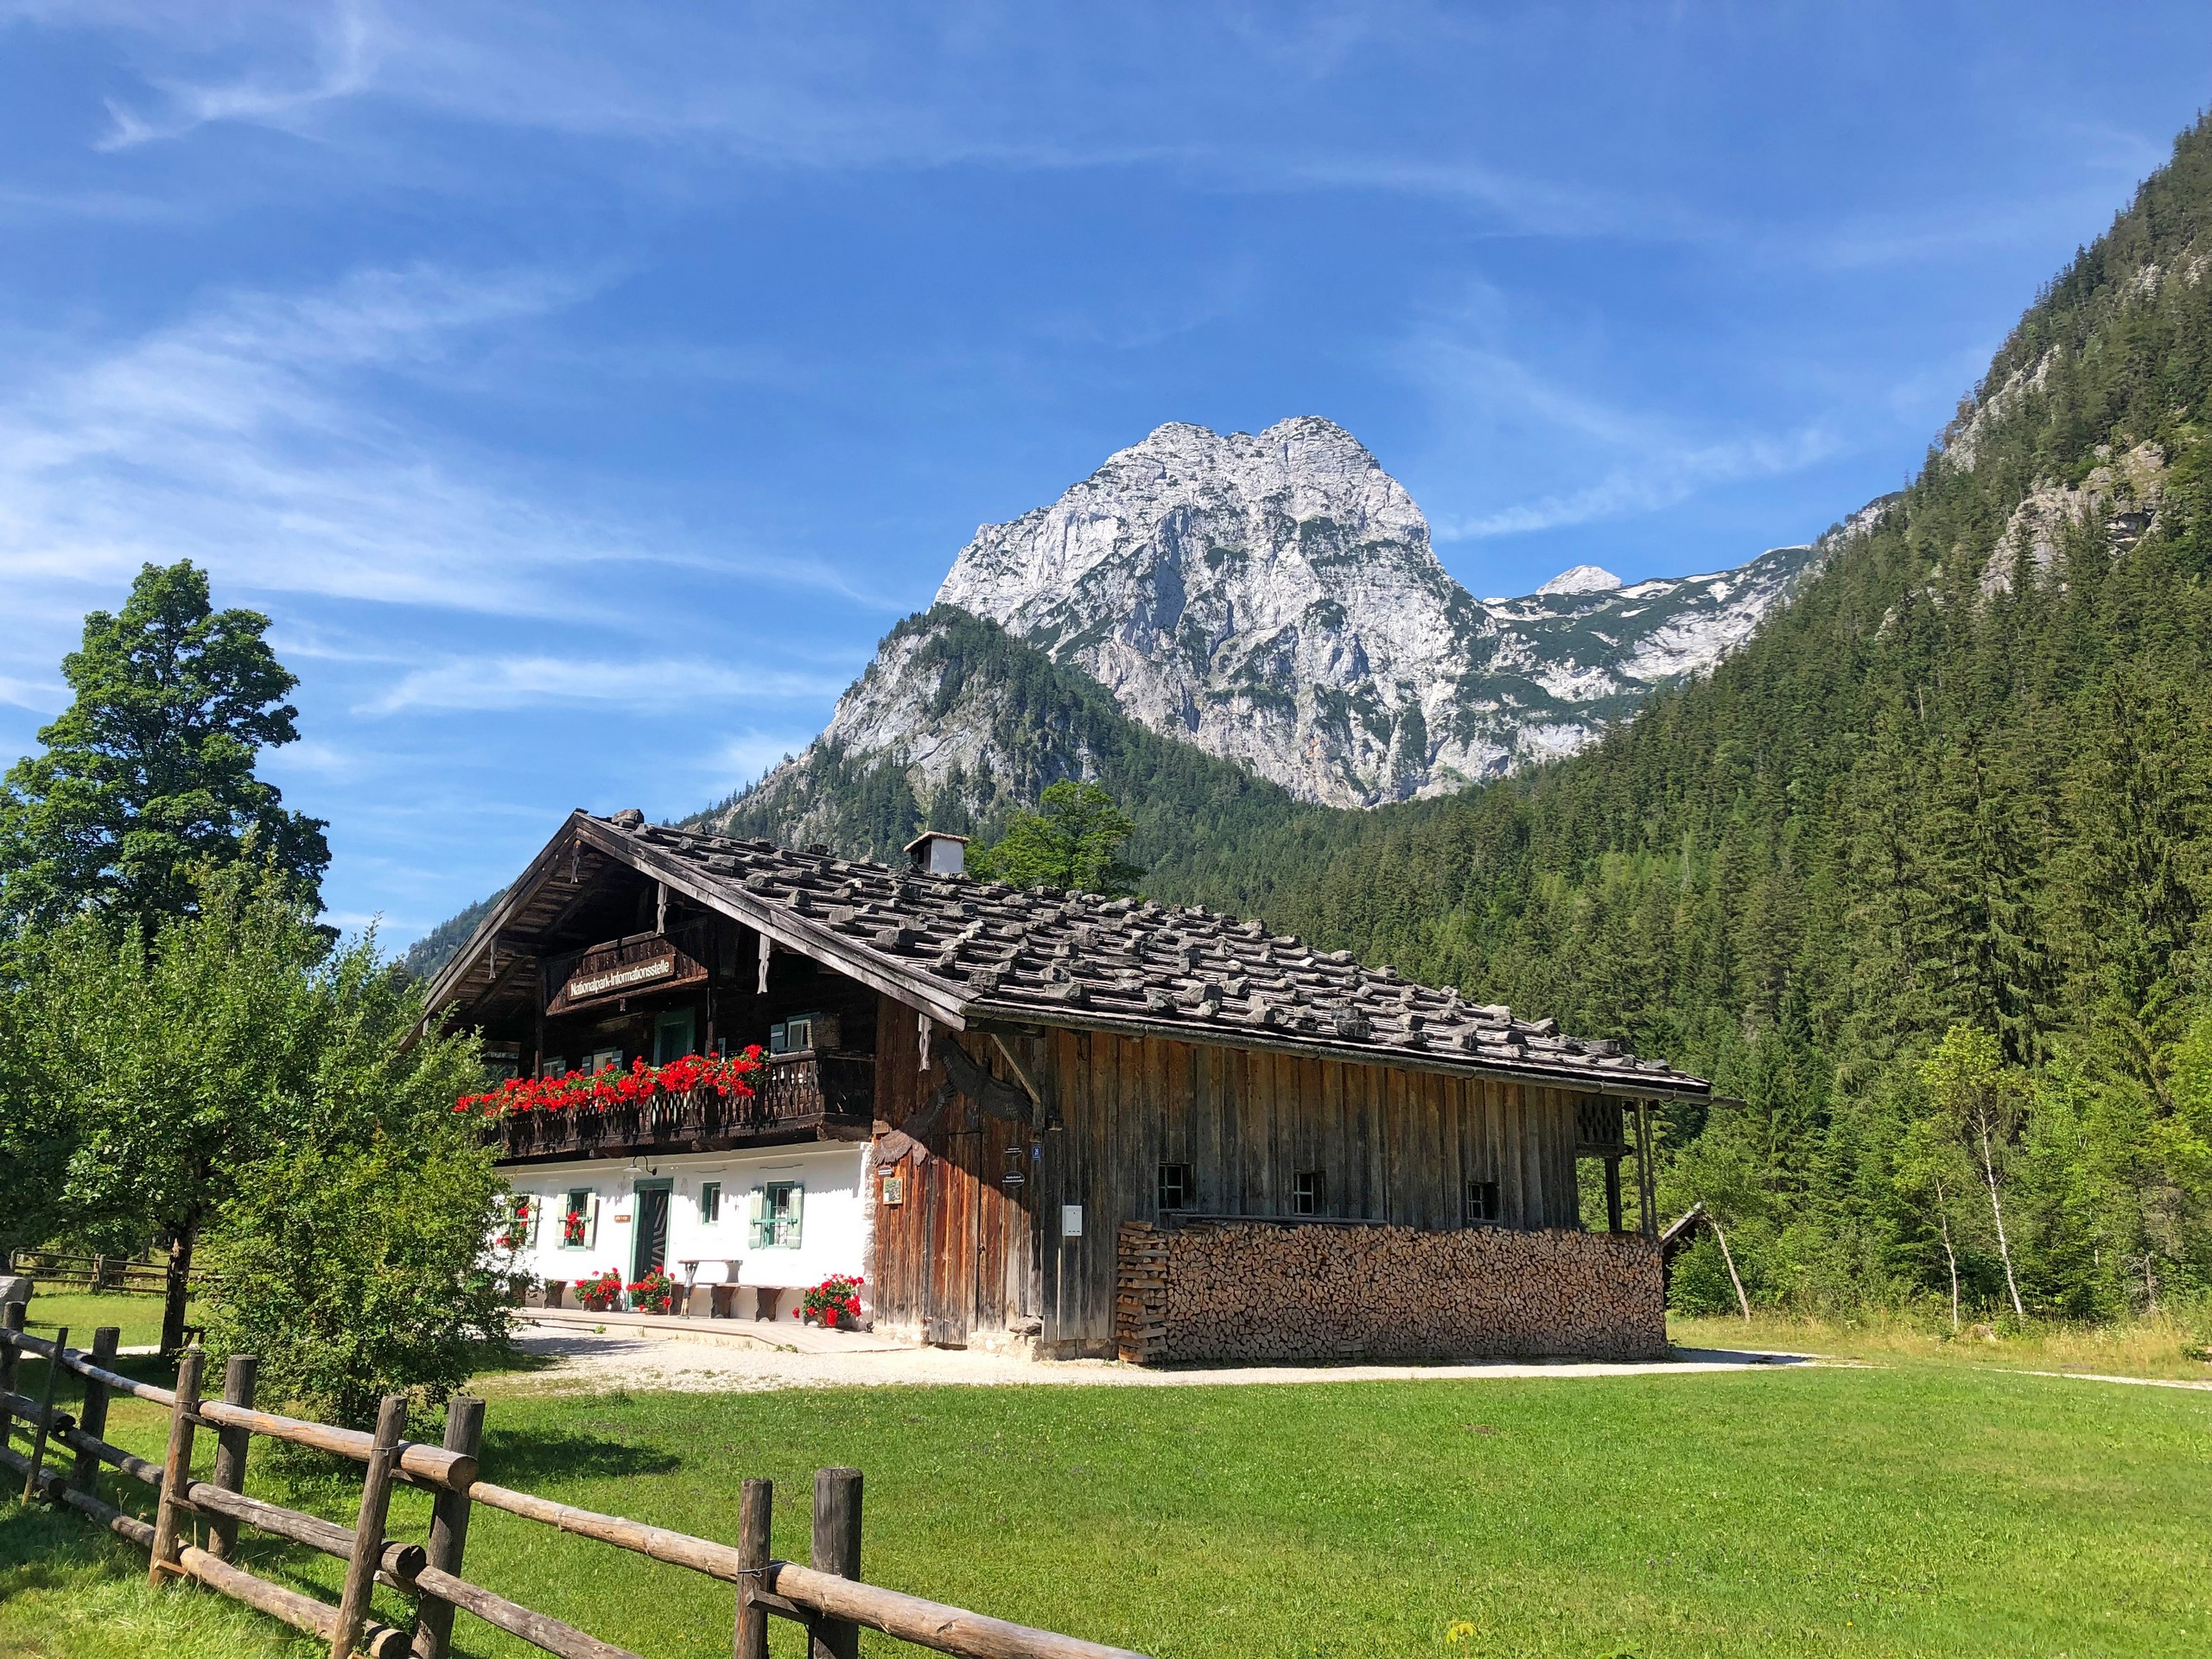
(950, 1308)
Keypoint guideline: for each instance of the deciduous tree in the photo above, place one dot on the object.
(149, 772)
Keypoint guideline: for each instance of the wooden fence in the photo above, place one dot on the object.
(827, 1597)
(79, 1270)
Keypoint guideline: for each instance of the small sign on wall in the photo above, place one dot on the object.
(894, 1187)
(1070, 1221)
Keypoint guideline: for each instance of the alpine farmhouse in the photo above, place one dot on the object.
(1079, 1125)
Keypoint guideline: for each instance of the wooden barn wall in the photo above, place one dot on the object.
(970, 1254)
(957, 1258)
(1391, 1145)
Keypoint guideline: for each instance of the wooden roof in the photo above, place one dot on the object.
(978, 954)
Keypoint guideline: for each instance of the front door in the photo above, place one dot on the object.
(650, 1249)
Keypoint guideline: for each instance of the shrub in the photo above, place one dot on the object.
(357, 1273)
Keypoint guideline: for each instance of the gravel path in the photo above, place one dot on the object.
(580, 1361)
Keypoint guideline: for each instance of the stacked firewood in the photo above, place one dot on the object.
(1267, 1290)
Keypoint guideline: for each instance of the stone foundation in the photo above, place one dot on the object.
(1305, 1291)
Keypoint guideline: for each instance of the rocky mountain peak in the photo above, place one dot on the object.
(1582, 579)
(1275, 599)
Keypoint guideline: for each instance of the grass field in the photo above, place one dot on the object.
(2157, 1348)
(1909, 1509)
(139, 1318)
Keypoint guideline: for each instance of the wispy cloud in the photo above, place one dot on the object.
(515, 681)
(1654, 480)
(1635, 460)
(340, 62)
(248, 437)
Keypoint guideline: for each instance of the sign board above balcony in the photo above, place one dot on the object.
(626, 968)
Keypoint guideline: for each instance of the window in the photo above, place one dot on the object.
(1482, 1203)
(1305, 1193)
(710, 1202)
(579, 1220)
(1178, 1190)
(673, 1036)
(777, 1211)
(552, 1065)
(599, 1058)
(798, 1033)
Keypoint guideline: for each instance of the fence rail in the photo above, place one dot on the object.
(80, 1270)
(828, 1597)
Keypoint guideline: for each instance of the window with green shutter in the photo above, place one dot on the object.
(778, 1209)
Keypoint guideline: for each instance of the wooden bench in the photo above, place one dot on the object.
(719, 1297)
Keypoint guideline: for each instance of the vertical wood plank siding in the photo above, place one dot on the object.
(970, 1254)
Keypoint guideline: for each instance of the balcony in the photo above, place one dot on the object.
(795, 1097)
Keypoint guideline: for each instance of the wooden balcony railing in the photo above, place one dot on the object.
(790, 1092)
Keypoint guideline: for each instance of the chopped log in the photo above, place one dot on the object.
(927, 1624)
(11, 1334)
(448, 1529)
(176, 1472)
(397, 1562)
(92, 1419)
(91, 1446)
(368, 1531)
(231, 1445)
(428, 1465)
(677, 1549)
(755, 1511)
(43, 1423)
(837, 1550)
(535, 1628)
(301, 1612)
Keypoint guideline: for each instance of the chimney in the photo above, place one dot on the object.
(935, 853)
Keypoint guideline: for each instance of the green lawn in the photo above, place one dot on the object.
(1912, 1509)
(139, 1318)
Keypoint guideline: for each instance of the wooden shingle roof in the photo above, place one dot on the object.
(971, 953)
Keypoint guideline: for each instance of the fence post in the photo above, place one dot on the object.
(177, 1469)
(755, 1510)
(11, 1320)
(836, 1549)
(93, 1419)
(368, 1531)
(53, 1370)
(241, 1372)
(449, 1531)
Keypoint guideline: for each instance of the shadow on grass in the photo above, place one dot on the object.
(519, 1457)
(41, 1548)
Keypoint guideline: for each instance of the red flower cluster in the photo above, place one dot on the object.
(652, 1294)
(723, 1073)
(599, 1292)
(833, 1295)
(572, 1227)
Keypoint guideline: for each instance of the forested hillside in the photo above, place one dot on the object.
(1962, 779)
(1196, 814)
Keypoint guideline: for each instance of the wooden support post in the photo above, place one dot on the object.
(449, 1531)
(368, 1531)
(232, 1444)
(1647, 1179)
(176, 1472)
(11, 1320)
(39, 1429)
(837, 1550)
(93, 1419)
(1613, 1192)
(755, 1510)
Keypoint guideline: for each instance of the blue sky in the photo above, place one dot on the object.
(584, 389)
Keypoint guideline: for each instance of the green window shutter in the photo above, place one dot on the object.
(794, 1205)
(758, 1227)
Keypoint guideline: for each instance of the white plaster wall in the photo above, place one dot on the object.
(834, 1223)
